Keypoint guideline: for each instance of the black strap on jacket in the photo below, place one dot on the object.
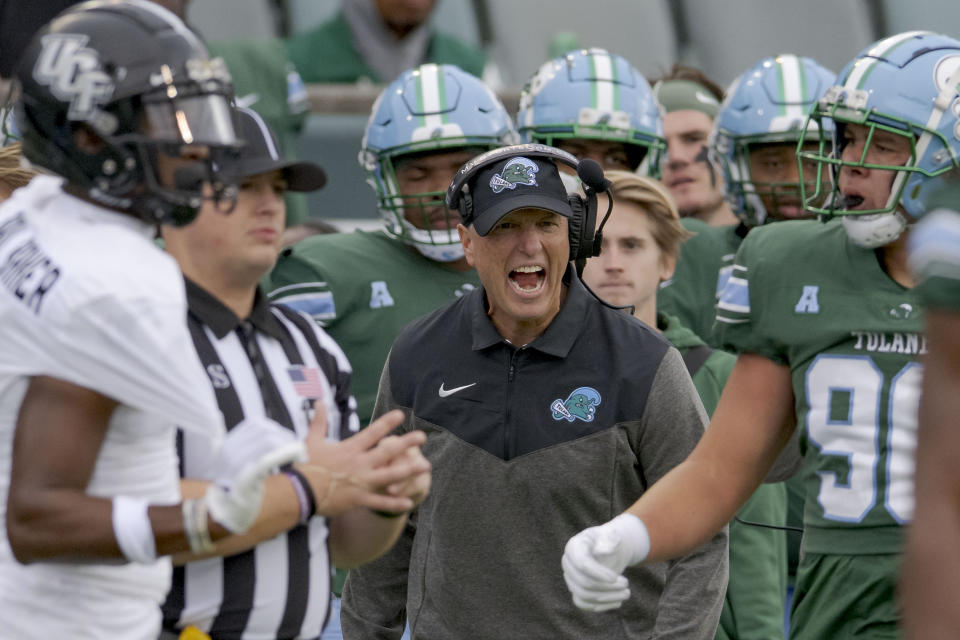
(695, 358)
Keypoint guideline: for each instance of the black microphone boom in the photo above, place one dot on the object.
(591, 174)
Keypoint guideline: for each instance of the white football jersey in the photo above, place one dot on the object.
(87, 297)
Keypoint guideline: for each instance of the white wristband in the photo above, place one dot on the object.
(133, 531)
(195, 526)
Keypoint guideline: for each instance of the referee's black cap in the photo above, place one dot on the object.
(261, 154)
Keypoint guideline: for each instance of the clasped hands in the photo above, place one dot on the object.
(386, 473)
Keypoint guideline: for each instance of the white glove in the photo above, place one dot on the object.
(595, 558)
(249, 453)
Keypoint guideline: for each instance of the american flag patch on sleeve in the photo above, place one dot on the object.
(307, 381)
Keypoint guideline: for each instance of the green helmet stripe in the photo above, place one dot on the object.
(593, 85)
(442, 96)
(782, 86)
(616, 85)
(603, 90)
(420, 100)
(803, 81)
(864, 67)
(431, 96)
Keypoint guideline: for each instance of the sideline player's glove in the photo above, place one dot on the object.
(249, 453)
(594, 559)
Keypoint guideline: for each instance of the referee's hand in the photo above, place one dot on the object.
(361, 470)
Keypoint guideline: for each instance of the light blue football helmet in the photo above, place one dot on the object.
(431, 108)
(767, 104)
(908, 85)
(593, 94)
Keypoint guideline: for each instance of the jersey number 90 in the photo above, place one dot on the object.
(847, 403)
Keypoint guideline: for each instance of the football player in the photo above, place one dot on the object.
(930, 587)
(593, 104)
(828, 329)
(363, 287)
(690, 101)
(640, 244)
(754, 145)
(121, 101)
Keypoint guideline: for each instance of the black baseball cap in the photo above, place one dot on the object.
(261, 154)
(518, 180)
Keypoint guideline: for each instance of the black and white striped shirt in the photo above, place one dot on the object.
(279, 363)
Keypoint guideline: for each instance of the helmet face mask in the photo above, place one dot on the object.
(109, 88)
(420, 218)
(764, 194)
(902, 87)
(766, 105)
(430, 111)
(592, 94)
(825, 197)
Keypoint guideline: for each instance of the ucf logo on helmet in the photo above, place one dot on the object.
(72, 71)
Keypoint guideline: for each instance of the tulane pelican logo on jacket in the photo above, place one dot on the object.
(518, 171)
(581, 404)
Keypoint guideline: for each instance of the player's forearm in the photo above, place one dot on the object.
(686, 508)
(71, 526)
(279, 512)
(360, 535)
(746, 434)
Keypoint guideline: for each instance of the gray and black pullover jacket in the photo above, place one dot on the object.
(529, 446)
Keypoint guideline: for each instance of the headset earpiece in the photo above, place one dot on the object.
(581, 226)
(465, 203)
(575, 225)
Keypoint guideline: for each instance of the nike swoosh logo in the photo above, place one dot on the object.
(449, 392)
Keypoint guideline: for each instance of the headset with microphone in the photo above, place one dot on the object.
(584, 242)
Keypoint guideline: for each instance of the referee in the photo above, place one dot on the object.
(265, 359)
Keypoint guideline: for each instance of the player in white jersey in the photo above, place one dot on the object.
(97, 368)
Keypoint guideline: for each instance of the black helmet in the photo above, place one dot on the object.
(136, 76)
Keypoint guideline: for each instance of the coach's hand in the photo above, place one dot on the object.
(594, 559)
(250, 452)
(418, 486)
(369, 469)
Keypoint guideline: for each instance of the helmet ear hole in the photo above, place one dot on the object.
(86, 140)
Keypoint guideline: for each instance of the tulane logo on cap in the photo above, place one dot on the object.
(581, 404)
(519, 170)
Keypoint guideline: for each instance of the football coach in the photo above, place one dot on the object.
(546, 411)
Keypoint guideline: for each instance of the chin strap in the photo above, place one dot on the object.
(877, 230)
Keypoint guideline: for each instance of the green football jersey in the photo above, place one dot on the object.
(935, 259)
(363, 287)
(703, 267)
(803, 295)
